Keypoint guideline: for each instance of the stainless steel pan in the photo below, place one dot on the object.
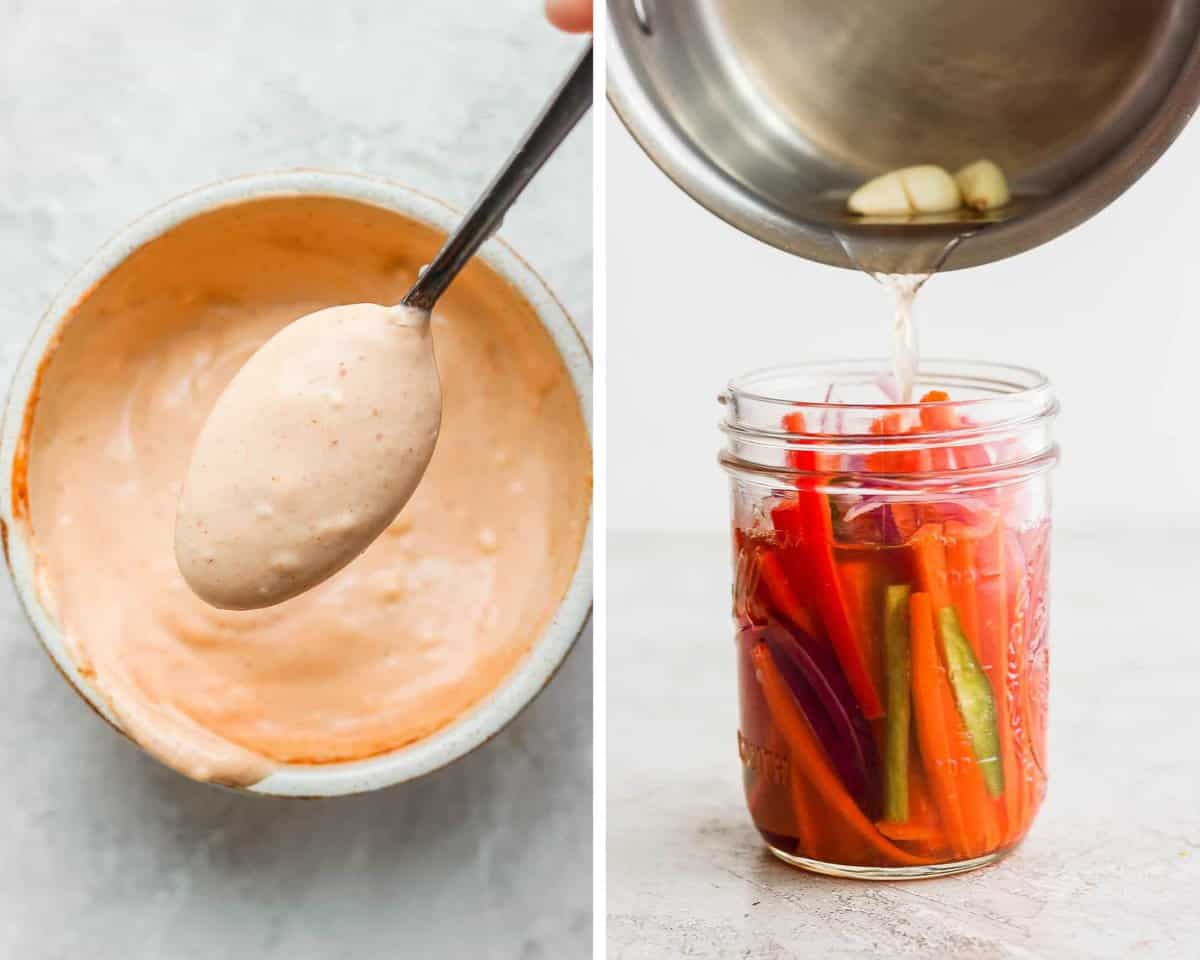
(768, 111)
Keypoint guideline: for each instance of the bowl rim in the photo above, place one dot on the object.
(486, 718)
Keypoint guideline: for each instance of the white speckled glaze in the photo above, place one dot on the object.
(487, 718)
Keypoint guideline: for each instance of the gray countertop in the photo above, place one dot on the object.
(1111, 868)
(106, 110)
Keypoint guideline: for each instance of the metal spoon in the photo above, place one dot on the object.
(560, 115)
(286, 487)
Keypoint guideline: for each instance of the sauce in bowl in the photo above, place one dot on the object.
(409, 637)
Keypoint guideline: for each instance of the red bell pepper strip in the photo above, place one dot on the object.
(798, 459)
(780, 596)
(806, 531)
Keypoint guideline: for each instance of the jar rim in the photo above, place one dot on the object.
(1016, 386)
(994, 429)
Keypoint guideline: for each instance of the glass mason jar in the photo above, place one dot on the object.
(890, 575)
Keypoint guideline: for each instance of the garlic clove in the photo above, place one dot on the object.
(883, 196)
(925, 188)
(930, 189)
(983, 185)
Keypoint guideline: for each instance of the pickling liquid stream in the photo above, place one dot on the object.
(901, 276)
(905, 351)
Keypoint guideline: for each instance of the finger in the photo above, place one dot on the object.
(573, 16)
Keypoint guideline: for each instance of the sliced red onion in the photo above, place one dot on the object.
(812, 673)
(863, 507)
(887, 526)
(871, 502)
(828, 419)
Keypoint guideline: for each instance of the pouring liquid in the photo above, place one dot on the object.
(905, 351)
(901, 275)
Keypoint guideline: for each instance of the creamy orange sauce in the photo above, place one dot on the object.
(310, 452)
(427, 622)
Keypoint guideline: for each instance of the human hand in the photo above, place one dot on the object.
(573, 16)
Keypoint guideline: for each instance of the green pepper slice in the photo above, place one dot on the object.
(898, 693)
(973, 694)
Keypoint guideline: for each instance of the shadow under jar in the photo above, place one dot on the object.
(890, 599)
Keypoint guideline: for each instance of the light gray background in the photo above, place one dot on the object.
(1112, 867)
(107, 109)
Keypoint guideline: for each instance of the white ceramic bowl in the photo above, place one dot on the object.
(531, 675)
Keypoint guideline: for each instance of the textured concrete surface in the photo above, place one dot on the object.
(107, 109)
(1110, 870)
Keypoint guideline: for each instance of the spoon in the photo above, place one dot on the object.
(324, 434)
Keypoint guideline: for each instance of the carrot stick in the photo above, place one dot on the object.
(834, 842)
(937, 419)
(981, 813)
(978, 813)
(920, 804)
(960, 560)
(770, 805)
(859, 587)
(993, 656)
(963, 456)
(886, 461)
(1031, 703)
(756, 791)
(844, 845)
(1031, 785)
(782, 597)
(922, 814)
(807, 530)
(908, 832)
(978, 794)
(930, 700)
(898, 461)
(806, 812)
(1018, 611)
(934, 418)
(808, 754)
(977, 454)
(906, 516)
(929, 551)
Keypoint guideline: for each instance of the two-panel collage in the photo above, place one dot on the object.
(548, 480)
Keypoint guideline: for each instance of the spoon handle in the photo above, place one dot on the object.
(568, 104)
